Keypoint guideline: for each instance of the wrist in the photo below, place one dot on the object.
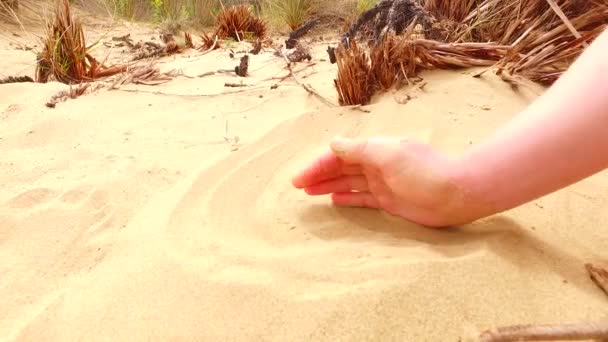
(469, 202)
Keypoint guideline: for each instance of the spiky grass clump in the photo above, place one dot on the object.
(64, 55)
(209, 42)
(354, 81)
(294, 13)
(239, 23)
(396, 60)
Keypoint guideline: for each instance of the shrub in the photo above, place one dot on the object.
(292, 12)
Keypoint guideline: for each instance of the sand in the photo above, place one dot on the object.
(127, 216)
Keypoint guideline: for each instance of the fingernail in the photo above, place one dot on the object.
(340, 145)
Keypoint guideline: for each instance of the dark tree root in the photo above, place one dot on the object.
(298, 33)
(390, 16)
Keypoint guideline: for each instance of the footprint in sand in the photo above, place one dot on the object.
(32, 198)
(77, 195)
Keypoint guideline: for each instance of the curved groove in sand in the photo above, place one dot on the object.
(244, 208)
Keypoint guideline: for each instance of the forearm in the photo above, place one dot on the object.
(560, 139)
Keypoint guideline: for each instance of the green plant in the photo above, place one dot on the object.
(204, 12)
(364, 5)
(159, 12)
(292, 12)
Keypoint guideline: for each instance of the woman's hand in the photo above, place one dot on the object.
(409, 180)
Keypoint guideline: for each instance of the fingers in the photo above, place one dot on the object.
(371, 152)
(341, 184)
(355, 199)
(327, 167)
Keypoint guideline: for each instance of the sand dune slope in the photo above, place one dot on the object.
(140, 227)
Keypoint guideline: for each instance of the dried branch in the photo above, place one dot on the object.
(72, 93)
(300, 32)
(147, 75)
(308, 88)
(562, 332)
(16, 79)
(235, 85)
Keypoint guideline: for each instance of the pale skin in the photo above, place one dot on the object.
(559, 140)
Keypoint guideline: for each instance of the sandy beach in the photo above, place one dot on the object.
(167, 213)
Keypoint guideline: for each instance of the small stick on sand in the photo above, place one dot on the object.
(220, 71)
(235, 85)
(306, 87)
(195, 95)
(560, 332)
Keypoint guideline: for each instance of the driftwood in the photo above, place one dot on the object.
(148, 75)
(560, 332)
(235, 85)
(72, 93)
(126, 39)
(300, 32)
(390, 16)
(298, 54)
(151, 49)
(16, 79)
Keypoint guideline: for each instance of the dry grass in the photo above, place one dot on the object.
(209, 42)
(354, 81)
(533, 39)
(24, 12)
(65, 56)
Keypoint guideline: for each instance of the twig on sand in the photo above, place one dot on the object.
(72, 93)
(235, 85)
(16, 79)
(308, 88)
(195, 95)
(283, 78)
(220, 71)
(561, 332)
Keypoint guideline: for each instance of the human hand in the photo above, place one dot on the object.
(405, 179)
